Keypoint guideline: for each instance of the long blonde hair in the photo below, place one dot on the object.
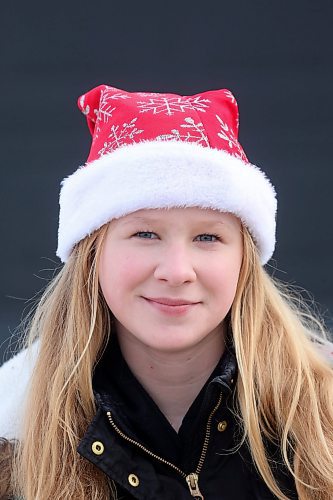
(284, 388)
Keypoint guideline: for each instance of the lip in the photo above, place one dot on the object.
(171, 302)
(171, 307)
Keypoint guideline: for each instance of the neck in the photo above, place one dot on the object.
(173, 379)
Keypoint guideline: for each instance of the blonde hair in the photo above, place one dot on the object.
(72, 323)
(284, 388)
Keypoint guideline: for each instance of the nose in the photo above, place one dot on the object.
(175, 266)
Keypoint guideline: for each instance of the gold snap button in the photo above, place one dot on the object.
(97, 448)
(221, 426)
(133, 480)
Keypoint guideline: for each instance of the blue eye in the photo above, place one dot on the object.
(211, 238)
(146, 235)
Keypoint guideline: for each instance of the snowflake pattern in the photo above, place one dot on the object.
(114, 93)
(230, 96)
(119, 136)
(228, 135)
(85, 110)
(111, 133)
(105, 111)
(196, 133)
(171, 105)
(115, 96)
(147, 94)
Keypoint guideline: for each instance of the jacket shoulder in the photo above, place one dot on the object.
(15, 375)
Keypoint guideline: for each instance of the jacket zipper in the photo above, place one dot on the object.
(192, 479)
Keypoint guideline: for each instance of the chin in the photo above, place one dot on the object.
(173, 343)
(171, 348)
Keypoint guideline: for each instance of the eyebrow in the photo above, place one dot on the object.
(145, 220)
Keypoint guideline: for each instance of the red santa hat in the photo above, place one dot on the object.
(156, 150)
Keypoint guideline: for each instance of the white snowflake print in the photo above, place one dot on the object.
(225, 133)
(105, 111)
(114, 93)
(171, 105)
(119, 136)
(147, 94)
(230, 96)
(237, 122)
(228, 135)
(108, 93)
(105, 108)
(196, 133)
(85, 110)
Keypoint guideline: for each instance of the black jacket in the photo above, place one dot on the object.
(132, 442)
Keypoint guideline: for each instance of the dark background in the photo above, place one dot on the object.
(275, 56)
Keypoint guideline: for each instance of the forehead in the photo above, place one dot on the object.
(188, 215)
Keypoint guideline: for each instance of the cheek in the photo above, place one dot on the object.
(224, 279)
(119, 274)
(109, 273)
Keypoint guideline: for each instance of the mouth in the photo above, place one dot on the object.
(171, 302)
(171, 307)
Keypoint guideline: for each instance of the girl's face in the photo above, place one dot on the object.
(170, 276)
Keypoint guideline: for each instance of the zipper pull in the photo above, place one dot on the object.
(193, 484)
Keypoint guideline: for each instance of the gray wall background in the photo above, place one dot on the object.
(275, 56)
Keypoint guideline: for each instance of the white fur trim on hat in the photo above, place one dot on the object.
(165, 174)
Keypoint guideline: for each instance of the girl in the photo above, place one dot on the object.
(163, 361)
